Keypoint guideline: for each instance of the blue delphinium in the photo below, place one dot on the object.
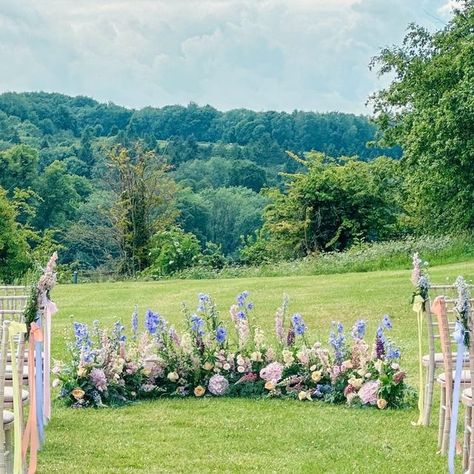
(393, 352)
(298, 324)
(386, 323)
(135, 322)
(81, 333)
(358, 330)
(241, 300)
(154, 323)
(221, 335)
(241, 315)
(118, 332)
(83, 341)
(203, 302)
(197, 325)
(337, 341)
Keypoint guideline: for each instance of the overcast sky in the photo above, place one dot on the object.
(258, 54)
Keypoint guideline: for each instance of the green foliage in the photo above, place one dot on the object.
(233, 213)
(363, 257)
(429, 110)
(172, 250)
(329, 207)
(143, 203)
(18, 168)
(15, 258)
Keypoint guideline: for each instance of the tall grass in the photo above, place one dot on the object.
(364, 257)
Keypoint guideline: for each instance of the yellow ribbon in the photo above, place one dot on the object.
(418, 309)
(16, 328)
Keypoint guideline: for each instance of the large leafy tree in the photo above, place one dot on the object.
(330, 205)
(14, 250)
(429, 110)
(144, 203)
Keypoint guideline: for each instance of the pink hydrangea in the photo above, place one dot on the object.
(368, 392)
(98, 379)
(272, 372)
(218, 384)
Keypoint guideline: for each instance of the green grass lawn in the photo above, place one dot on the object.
(238, 435)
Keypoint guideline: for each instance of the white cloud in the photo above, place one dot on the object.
(261, 54)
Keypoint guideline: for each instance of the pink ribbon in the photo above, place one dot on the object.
(49, 309)
(31, 436)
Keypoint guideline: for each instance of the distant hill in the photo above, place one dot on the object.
(37, 118)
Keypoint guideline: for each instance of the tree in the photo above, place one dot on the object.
(144, 203)
(233, 214)
(60, 194)
(429, 110)
(14, 249)
(18, 168)
(332, 204)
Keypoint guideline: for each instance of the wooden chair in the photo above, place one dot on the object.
(13, 301)
(445, 313)
(434, 360)
(6, 434)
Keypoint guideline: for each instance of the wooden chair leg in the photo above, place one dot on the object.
(429, 388)
(470, 464)
(9, 449)
(467, 437)
(446, 428)
(442, 415)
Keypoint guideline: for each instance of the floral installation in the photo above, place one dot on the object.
(463, 307)
(108, 367)
(420, 278)
(41, 293)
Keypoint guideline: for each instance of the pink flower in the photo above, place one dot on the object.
(98, 379)
(218, 385)
(399, 376)
(368, 392)
(279, 325)
(272, 372)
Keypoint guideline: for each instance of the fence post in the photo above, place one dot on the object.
(74, 277)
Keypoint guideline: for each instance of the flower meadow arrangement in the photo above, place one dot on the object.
(420, 278)
(215, 358)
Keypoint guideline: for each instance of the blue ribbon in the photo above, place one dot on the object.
(39, 389)
(458, 336)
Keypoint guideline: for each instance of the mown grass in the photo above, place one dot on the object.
(236, 435)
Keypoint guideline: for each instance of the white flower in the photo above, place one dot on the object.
(56, 383)
(259, 337)
(378, 365)
(173, 376)
(241, 369)
(256, 356)
(287, 357)
(186, 343)
(226, 366)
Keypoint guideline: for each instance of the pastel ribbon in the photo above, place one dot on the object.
(49, 309)
(15, 328)
(418, 309)
(458, 336)
(31, 437)
(39, 382)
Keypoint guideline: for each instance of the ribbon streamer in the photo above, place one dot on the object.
(16, 328)
(458, 336)
(49, 309)
(418, 309)
(31, 437)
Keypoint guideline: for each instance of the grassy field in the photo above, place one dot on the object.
(224, 435)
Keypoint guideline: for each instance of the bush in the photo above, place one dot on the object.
(171, 251)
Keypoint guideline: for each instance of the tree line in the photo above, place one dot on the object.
(156, 190)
